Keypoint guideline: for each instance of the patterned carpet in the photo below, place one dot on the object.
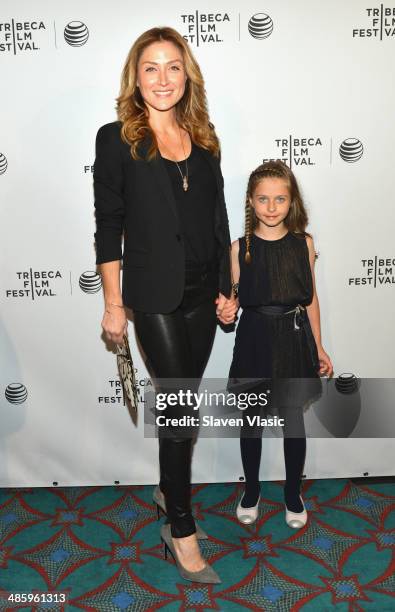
(99, 548)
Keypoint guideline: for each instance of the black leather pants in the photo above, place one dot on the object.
(177, 345)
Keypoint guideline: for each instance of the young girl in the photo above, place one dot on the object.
(278, 335)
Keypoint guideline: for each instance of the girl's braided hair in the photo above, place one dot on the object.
(296, 220)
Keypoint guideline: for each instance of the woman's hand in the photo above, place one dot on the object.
(326, 367)
(114, 323)
(226, 309)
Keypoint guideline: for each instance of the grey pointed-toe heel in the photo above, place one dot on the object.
(160, 501)
(207, 575)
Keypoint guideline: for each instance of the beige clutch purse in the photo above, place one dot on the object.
(126, 372)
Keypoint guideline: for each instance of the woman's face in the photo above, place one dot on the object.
(271, 201)
(161, 76)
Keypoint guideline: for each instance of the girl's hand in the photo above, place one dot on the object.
(114, 323)
(326, 367)
(226, 309)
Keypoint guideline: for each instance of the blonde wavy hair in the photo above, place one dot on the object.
(191, 110)
(296, 220)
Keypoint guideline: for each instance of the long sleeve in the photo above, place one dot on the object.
(108, 191)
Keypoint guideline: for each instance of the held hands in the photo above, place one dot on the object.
(326, 367)
(226, 309)
(114, 323)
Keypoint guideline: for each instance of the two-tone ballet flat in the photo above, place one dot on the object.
(247, 516)
(207, 575)
(160, 501)
(296, 520)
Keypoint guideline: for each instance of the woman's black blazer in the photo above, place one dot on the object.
(135, 198)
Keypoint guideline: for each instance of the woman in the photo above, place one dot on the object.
(158, 181)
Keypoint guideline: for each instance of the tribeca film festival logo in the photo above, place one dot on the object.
(20, 36)
(16, 393)
(381, 24)
(204, 27)
(308, 151)
(260, 26)
(3, 163)
(76, 33)
(296, 151)
(34, 284)
(90, 282)
(376, 271)
(200, 28)
(115, 393)
(89, 168)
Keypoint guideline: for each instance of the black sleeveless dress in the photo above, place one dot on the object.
(277, 347)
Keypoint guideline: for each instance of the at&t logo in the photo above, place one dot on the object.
(260, 26)
(381, 23)
(203, 27)
(346, 383)
(90, 282)
(3, 163)
(16, 393)
(351, 150)
(76, 34)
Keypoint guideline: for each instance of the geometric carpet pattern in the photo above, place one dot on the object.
(98, 548)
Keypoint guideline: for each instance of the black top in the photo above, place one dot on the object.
(196, 206)
(279, 272)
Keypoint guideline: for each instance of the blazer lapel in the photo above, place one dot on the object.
(159, 170)
(221, 217)
(214, 162)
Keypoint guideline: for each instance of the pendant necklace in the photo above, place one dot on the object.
(184, 177)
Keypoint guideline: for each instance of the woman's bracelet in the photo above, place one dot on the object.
(113, 304)
(235, 287)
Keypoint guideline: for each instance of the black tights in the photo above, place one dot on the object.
(294, 457)
(177, 345)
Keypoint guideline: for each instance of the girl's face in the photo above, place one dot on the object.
(161, 76)
(271, 201)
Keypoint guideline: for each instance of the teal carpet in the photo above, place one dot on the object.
(98, 548)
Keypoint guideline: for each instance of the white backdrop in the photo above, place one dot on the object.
(312, 83)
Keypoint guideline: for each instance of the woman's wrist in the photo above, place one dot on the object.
(113, 300)
(114, 307)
